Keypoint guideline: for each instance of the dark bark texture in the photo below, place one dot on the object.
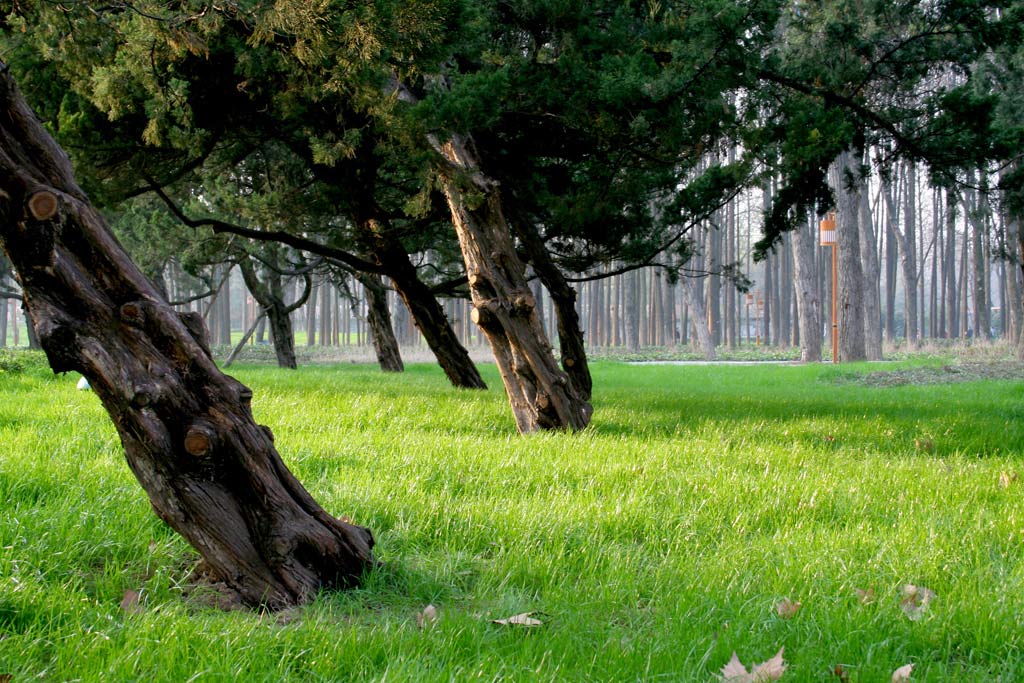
(540, 393)
(393, 260)
(271, 297)
(378, 318)
(570, 334)
(188, 433)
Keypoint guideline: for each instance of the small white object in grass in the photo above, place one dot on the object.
(83, 385)
(526, 619)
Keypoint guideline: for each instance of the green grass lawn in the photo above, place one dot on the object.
(652, 545)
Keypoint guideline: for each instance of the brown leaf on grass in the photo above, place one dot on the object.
(902, 674)
(6, 678)
(427, 617)
(914, 600)
(525, 619)
(924, 445)
(841, 673)
(130, 602)
(152, 546)
(735, 672)
(866, 596)
(787, 608)
(1006, 479)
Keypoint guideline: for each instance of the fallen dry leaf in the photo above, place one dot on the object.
(914, 600)
(130, 602)
(1006, 479)
(787, 608)
(427, 617)
(525, 619)
(925, 445)
(6, 678)
(841, 673)
(866, 596)
(734, 670)
(772, 670)
(902, 674)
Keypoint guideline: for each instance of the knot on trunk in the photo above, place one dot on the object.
(568, 362)
(484, 316)
(42, 205)
(523, 303)
(200, 439)
(133, 313)
(143, 395)
(266, 431)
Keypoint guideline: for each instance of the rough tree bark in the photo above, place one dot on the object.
(808, 303)
(188, 433)
(378, 318)
(428, 315)
(540, 393)
(872, 279)
(570, 335)
(851, 277)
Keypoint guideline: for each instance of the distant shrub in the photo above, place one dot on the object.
(18, 361)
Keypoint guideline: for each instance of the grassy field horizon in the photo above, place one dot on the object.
(701, 506)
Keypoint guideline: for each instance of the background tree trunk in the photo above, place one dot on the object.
(807, 300)
(872, 279)
(851, 277)
(427, 314)
(188, 433)
(378, 317)
(540, 393)
(705, 342)
(270, 295)
(908, 249)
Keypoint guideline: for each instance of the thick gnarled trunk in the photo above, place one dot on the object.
(570, 335)
(188, 433)
(540, 393)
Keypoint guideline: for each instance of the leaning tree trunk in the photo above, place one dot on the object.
(541, 395)
(427, 313)
(188, 433)
(378, 318)
(570, 334)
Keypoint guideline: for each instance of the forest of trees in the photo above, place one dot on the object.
(973, 285)
(547, 176)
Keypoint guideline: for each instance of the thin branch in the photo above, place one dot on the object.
(279, 236)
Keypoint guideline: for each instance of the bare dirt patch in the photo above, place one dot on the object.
(946, 374)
